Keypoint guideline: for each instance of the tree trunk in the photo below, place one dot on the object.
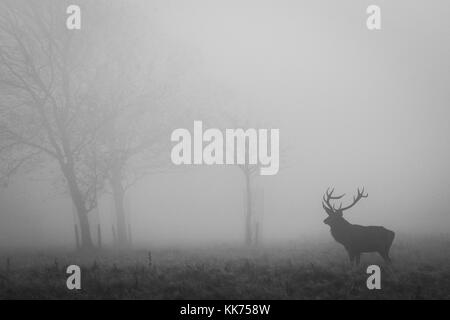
(99, 236)
(119, 195)
(77, 237)
(248, 213)
(86, 239)
(256, 241)
(78, 201)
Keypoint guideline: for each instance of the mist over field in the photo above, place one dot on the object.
(354, 108)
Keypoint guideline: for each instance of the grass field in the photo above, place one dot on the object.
(302, 270)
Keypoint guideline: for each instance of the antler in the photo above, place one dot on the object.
(326, 201)
(355, 199)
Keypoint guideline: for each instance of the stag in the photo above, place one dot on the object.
(355, 238)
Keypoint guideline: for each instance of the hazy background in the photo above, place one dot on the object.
(354, 108)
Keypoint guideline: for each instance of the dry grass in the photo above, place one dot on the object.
(291, 271)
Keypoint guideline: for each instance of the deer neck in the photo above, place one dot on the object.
(340, 231)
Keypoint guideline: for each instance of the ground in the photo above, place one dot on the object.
(297, 270)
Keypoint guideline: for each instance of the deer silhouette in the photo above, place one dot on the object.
(355, 238)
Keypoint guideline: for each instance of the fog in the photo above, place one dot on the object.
(355, 108)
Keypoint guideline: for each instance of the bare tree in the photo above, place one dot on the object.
(133, 145)
(135, 127)
(44, 109)
(250, 172)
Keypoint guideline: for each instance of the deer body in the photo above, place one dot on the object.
(355, 238)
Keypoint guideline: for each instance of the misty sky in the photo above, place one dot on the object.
(354, 108)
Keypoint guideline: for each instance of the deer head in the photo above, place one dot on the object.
(335, 215)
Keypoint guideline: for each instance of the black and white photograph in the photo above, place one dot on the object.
(249, 151)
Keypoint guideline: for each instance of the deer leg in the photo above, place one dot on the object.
(358, 258)
(385, 256)
(388, 263)
(351, 256)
